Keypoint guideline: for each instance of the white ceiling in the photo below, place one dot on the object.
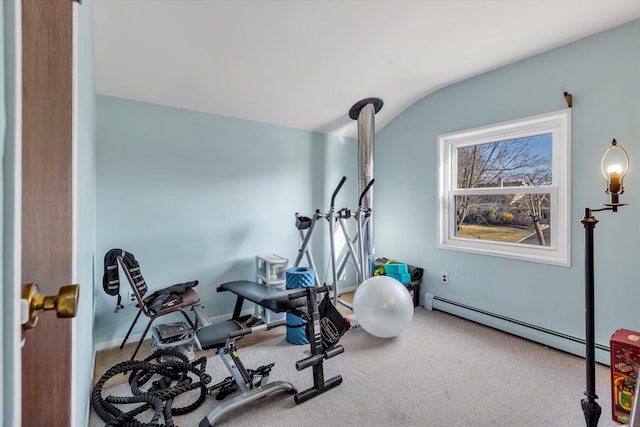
(303, 64)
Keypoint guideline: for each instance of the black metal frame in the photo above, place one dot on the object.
(289, 301)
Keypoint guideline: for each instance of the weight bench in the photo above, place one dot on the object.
(253, 385)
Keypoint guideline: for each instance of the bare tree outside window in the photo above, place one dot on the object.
(522, 162)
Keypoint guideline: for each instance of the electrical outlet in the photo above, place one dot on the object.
(444, 278)
(131, 298)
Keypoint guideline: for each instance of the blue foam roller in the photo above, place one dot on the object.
(298, 277)
(296, 330)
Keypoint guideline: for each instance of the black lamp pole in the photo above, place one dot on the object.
(590, 407)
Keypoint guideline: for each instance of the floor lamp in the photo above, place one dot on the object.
(614, 173)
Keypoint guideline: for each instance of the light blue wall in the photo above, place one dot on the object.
(603, 74)
(3, 127)
(197, 196)
(8, 41)
(86, 199)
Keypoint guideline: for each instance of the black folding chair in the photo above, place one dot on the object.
(171, 302)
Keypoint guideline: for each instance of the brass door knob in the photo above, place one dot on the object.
(65, 303)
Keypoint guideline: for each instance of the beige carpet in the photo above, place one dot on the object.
(442, 371)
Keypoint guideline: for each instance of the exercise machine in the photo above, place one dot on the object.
(355, 246)
(359, 256)
(254, 385)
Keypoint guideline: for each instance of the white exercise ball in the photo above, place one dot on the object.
(383, 306)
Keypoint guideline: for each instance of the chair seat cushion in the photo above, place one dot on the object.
(215, 336)
(185, 299)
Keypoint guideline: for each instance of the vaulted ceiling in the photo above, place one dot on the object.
(303, 64)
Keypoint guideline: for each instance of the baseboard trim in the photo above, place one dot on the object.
(561, 341)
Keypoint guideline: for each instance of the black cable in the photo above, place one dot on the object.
(160, 396)
(174, 370)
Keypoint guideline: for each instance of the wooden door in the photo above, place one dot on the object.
(47, 34)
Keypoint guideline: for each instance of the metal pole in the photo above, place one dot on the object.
(364, 111)
(366, 126)
(590, 407)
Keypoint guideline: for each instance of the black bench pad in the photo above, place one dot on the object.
(215, 336)
(276, 300)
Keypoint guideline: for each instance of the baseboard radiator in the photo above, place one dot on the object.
(570, 344)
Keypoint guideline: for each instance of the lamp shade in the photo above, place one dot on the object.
(614, 166)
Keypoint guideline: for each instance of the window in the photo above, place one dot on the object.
(504, 189)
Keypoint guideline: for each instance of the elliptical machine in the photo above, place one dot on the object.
(355, 245)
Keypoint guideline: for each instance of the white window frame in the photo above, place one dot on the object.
(558, 124)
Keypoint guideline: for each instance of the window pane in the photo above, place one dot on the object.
(507, 182)
(508, 163)
(514, 218)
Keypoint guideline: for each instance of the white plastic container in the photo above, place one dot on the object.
(271, 271)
